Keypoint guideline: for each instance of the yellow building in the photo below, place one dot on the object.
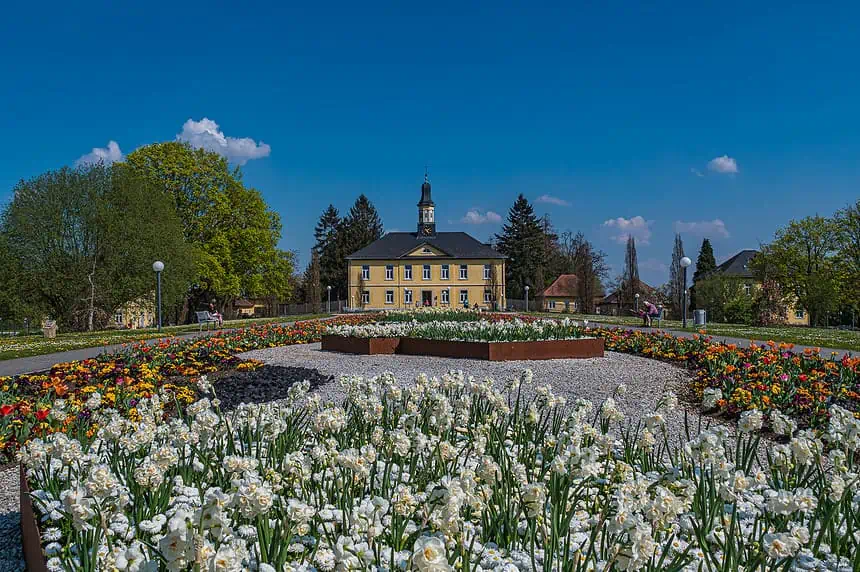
(738, 268)
(426, 268)
(135, 314)
(561, 295)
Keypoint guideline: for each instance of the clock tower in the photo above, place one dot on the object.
(426, 206)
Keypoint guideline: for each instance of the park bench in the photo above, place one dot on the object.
(205, 317)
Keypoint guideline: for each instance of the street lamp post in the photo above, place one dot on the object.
(158, 266)
(685, 262)
(527, 298)
(636, 302)
(328, 309)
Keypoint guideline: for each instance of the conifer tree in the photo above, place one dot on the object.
(332, 266)
(522, 240)
(705, 264)
(630, 281)
(676, 277)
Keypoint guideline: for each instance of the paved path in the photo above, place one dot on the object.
(726, 340)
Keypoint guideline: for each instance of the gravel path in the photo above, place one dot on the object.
(594, 379)
(11, 557)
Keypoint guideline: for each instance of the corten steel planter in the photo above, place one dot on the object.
(365, 346)
(491, 351)
(31, 540)
(505, 351)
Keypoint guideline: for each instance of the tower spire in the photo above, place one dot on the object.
(426, 207)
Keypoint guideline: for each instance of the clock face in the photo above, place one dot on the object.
(426, 230)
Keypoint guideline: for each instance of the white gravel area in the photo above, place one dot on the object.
(594, 379)
(11, 557)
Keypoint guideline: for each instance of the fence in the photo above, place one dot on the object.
(337, 306)
(9, 328)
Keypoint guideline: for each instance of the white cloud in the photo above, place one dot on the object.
(637, 227)
(696, 172)
(475, 216)
(551, 200)
(714, 227)
(206, 134)
(107, 155)
(724, 164)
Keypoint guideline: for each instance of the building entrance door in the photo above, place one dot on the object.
(426, 298)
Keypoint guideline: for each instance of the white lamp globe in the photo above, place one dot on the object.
(158, 266)
(685, 262)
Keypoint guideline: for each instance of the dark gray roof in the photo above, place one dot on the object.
(738, 265)
(399, 244)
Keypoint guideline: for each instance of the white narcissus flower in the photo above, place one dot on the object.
(750, 421)
(780, 545)
(429, 555)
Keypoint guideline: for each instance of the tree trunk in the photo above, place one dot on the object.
(91, 309)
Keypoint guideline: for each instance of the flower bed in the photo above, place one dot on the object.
(63, 398)
(769, 377)
(444, 475)
(511, 330)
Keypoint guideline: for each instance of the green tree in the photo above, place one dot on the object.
(231, 229)
(705, 264)
(801, 260)
(676, 277)
(332, 269)
(847, 221)
(523, 241)
(84, 241)
(630, 281)
(313, 288)
(725, 300)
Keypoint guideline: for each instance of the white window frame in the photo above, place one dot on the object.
(445, 296)
(365, 272)
(407, 272)
(486, 271)
(407, 296)
(117, 318)
(426, 272)
(799, 314)
(552, 304)
(389, 296)
(365, 297)
(747, 289)
(464, 272)
(426, 250)
(446, 272)
(488, 296)
(389, 272)
(464, 297)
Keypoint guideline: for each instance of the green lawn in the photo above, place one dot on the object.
(34, 345)
(817, 337)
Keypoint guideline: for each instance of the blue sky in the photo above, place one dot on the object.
(719, 119)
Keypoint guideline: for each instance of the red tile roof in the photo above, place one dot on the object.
(564, 286)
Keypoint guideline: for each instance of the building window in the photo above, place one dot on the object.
(798, 314)
(445, 294)
(747, 289)
(389, 296)
(389, 272)
(464, 272)
(117, 318)
(426, 251)
(445, 271)
(365, 272)
(552, 304)
(407, 296)
(426, 272)
(486, 271)
(488, 296)
(407, 272)
(464, 297)
(365, 297)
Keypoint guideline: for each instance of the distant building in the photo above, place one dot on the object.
(561, 295)
(135, 314)
(738, 268)
(426, 268)
(614, 304)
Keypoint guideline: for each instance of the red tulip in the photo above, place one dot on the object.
(6, 410)
(42, 414)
